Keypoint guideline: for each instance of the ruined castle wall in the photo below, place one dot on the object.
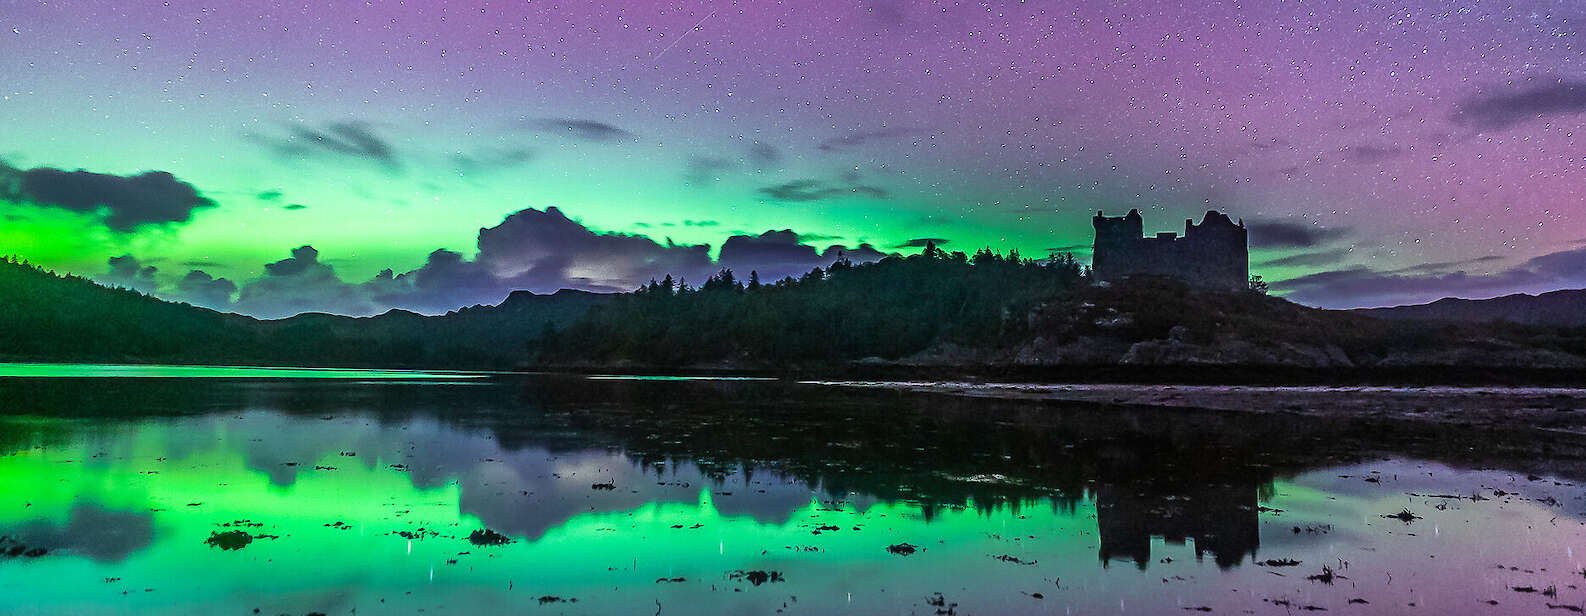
(1214, 254)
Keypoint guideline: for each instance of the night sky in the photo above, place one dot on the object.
(272, 158)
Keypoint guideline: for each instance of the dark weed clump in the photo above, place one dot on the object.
(487, 537)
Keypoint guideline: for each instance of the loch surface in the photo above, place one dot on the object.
(405, 493)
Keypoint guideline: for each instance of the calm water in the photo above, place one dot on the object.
(374, 494)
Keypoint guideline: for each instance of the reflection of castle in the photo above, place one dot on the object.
(1213, 254)
(1220, 518)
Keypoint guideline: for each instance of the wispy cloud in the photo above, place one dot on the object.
(859, 138)
(353, 139)
(1289, 234)
(921, 242)
(1325, 257)
(1361, 286)
(1503, 109)
(815, 190)
(583, 129)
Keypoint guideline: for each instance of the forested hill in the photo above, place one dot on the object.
(48, 317)
(988, 312)
(56, 318)
(972, 313)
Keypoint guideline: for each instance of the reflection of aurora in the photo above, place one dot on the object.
(707, 479)
(693, 524)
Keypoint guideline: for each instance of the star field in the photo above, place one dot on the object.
(1379, 153)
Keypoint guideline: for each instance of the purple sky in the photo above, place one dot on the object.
(1381, 153)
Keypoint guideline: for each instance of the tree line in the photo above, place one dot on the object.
(889, 309)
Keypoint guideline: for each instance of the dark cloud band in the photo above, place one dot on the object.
(535, 250)
(125, 202)
(583, 130)
(1498, 110)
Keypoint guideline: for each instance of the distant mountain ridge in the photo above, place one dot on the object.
(1563, 308)
(48, 317)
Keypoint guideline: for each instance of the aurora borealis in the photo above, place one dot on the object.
(350, 157)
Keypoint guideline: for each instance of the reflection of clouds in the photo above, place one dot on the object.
(767, 497)
(558, 488)
(282, 446)
(90, 531)
(532, 491)
(523, 492)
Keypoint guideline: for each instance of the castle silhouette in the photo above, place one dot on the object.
(1214, 254)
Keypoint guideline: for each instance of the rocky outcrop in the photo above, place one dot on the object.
(1234, 351)
(1485, 355)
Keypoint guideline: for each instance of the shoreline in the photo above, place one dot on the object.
(1554, 409)
(1225, 375)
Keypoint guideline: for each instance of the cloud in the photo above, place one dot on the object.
(702, 170)
(815, 190)
(583, 130)
(1568, 265)
(269, 195)
(763, 155)
(705, 170)
(351, 139)
(1366, 154)
(469, 164)
(863, 253)
(920, 242)
(797, 190)
(535, 250)
(294, 206)
(128, 273)
(1285, 234)
(890, 13)
(303, 258)
(446, 281)
(1503, 110)
(1360, 286)
(545, 250)
(772, 249)
(1443, 266)
(300, 284)
(1324, 257)
(859, 138)
(123, 202)
(779, 254)
(201, 289)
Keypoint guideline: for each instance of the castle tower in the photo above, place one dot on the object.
(1220, 251)
(1117, 240)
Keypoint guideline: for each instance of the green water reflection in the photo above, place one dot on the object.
(629, 497)
(23, 370)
